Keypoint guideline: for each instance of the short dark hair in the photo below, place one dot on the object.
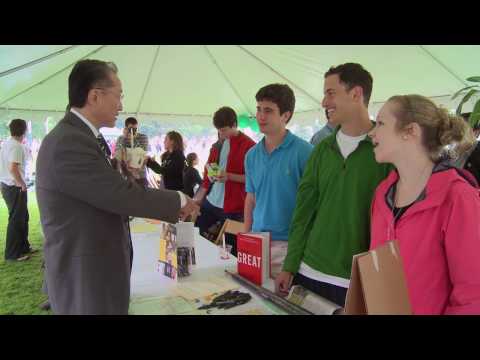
(191, 158)
(353, 74)
(280, 94)
(223, 117)
(18, 127)
(85, 75)
(130, 121)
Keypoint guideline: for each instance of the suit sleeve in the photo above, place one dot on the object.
(82, 172)
(303, 214)
(462, 246)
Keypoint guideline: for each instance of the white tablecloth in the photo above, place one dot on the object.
(146, 281)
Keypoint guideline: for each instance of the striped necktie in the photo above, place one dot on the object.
(104, 146)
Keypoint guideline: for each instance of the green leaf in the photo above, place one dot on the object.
(474, 79)
(475, 115)
(462, 90)
(465, 99)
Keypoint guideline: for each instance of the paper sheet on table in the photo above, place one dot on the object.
(163, 305)
(198, 289)
(144, 227)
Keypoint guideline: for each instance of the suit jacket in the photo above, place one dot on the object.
(83, 204)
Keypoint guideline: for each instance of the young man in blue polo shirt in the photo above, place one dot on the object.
(273, 170)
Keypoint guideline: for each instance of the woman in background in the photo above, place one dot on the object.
(431, 208)
(173, 162)
(191, 176)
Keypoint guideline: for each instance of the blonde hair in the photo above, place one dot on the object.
(439, 128)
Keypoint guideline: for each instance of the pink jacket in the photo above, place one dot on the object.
(439, 240)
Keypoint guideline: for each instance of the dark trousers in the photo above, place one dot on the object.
(334, 293)
(17, 230)
(209, 215)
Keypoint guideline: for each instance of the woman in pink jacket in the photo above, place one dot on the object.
(429, 207)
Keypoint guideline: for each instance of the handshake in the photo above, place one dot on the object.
(190, 211)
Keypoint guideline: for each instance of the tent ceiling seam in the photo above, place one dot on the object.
(443, 66)
(36, 61)
(6, 108)
(281, 75)
(214, 61)
(209, 116)
(51, 76)
(147, 82)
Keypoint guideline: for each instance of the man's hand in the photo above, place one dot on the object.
(23, 186)
(283, 281)
(190, 208)
(14, 170)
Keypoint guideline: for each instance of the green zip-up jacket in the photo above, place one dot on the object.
(331, 220)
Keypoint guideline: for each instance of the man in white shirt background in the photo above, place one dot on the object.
(14, 192)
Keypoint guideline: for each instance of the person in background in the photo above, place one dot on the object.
(226, 191)
(191, 177)
(431, 208)
(13, 159)
(125, 141)
(324, 131)
(173, 162)
(470, 160)
(273, 169)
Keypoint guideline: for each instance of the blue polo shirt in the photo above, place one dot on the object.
(273, 179)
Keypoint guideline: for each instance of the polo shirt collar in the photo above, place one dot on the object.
(287, 140)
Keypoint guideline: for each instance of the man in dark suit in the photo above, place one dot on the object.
(85, 203)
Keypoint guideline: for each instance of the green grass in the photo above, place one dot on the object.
(21, 282)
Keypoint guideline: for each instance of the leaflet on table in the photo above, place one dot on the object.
(177, 250)
(163, 305)
(311, 301)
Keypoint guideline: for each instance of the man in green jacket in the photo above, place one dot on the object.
(331, 218)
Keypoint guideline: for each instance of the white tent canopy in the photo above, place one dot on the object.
(192, 81)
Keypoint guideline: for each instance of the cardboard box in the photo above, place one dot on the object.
(377, 284)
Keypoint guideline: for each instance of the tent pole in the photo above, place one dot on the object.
(147, 82)
(212, 58)
(279, 74)
(51, 76)
(36, 61)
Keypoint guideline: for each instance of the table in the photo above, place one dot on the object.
(153, 293)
